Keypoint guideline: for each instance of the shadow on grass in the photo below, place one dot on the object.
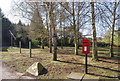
(112, 58)
(103, 57)
(4, 50)
(102, 53)
(101, 75)
(93, 66)
(103, 50)
(110, 62)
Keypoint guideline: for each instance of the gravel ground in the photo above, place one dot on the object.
(8, 73)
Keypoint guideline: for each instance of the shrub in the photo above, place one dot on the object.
(102, 44)
(4, 49)
(35, 43)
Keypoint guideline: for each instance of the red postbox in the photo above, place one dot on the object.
(86, 50)
(85, 46)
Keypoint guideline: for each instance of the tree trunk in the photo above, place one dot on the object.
(119, 44)
(47, 28)
(119, 49)
(75, 31)
(50, 40)
(63, 36)
(54, 36)
(42, 43)
(50, 28)
(112, 32)
(61, 31)
(78, 24)
(78, 39)
(94, 40)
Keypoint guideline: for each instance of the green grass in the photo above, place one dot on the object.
(67, 62)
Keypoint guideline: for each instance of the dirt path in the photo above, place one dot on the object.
(8, 73)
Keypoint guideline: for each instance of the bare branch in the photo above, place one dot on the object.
(65, 8)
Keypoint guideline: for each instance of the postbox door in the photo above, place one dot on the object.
(85, 49)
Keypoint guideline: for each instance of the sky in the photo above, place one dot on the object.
(5, 5)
